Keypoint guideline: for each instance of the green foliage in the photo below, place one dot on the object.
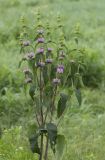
(14, 145)
(85, 134)
(61, 142)
(62, 104)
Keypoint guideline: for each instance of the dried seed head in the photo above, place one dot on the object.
(56, 81)
(26, 71)
(49, 61)
(28, 80)
(41, 64)
(30, 56)
(26, 43)
(40, 31)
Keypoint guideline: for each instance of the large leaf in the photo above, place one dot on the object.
(52, 134)
(34, 144)
(61, 104)
(78, 96)
(61, 142)
(32, 91)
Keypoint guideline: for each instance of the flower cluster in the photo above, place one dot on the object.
(60, 69)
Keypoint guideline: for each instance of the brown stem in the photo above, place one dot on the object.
(41, 107)
(37, 119)
(46, 149)
(41, 148)
(53, 101)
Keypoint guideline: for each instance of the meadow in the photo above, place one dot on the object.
(83, 125)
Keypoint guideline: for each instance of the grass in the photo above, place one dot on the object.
(84, 127)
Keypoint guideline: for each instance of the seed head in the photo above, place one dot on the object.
(41, 64)
(30, 56)
(26, 71)
(49, 61)
(40, 31)
(56, 81)
(28, 80)
(26, 43)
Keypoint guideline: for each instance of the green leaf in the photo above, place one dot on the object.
(32, 91)
(20, 63)
(34, 144)
(78, 96)
(61, 104)
(52, 134)
(61, 142)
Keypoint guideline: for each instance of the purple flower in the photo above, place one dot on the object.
(56, 81)
(30, 56)
(49, 60)
(26, 71)
(28, 80)
(49, 49)
(40, 50)
(60, 69)
(40, 40)
(26, 43)
(41, 64)
(40, 31)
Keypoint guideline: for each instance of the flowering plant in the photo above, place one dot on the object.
(48, 74)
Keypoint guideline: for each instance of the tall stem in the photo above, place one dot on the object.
(46, 149)
(41, 148)
(41, 107)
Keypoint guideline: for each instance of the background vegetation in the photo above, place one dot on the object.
(83, 126)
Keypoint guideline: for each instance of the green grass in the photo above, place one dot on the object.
(84, 127)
